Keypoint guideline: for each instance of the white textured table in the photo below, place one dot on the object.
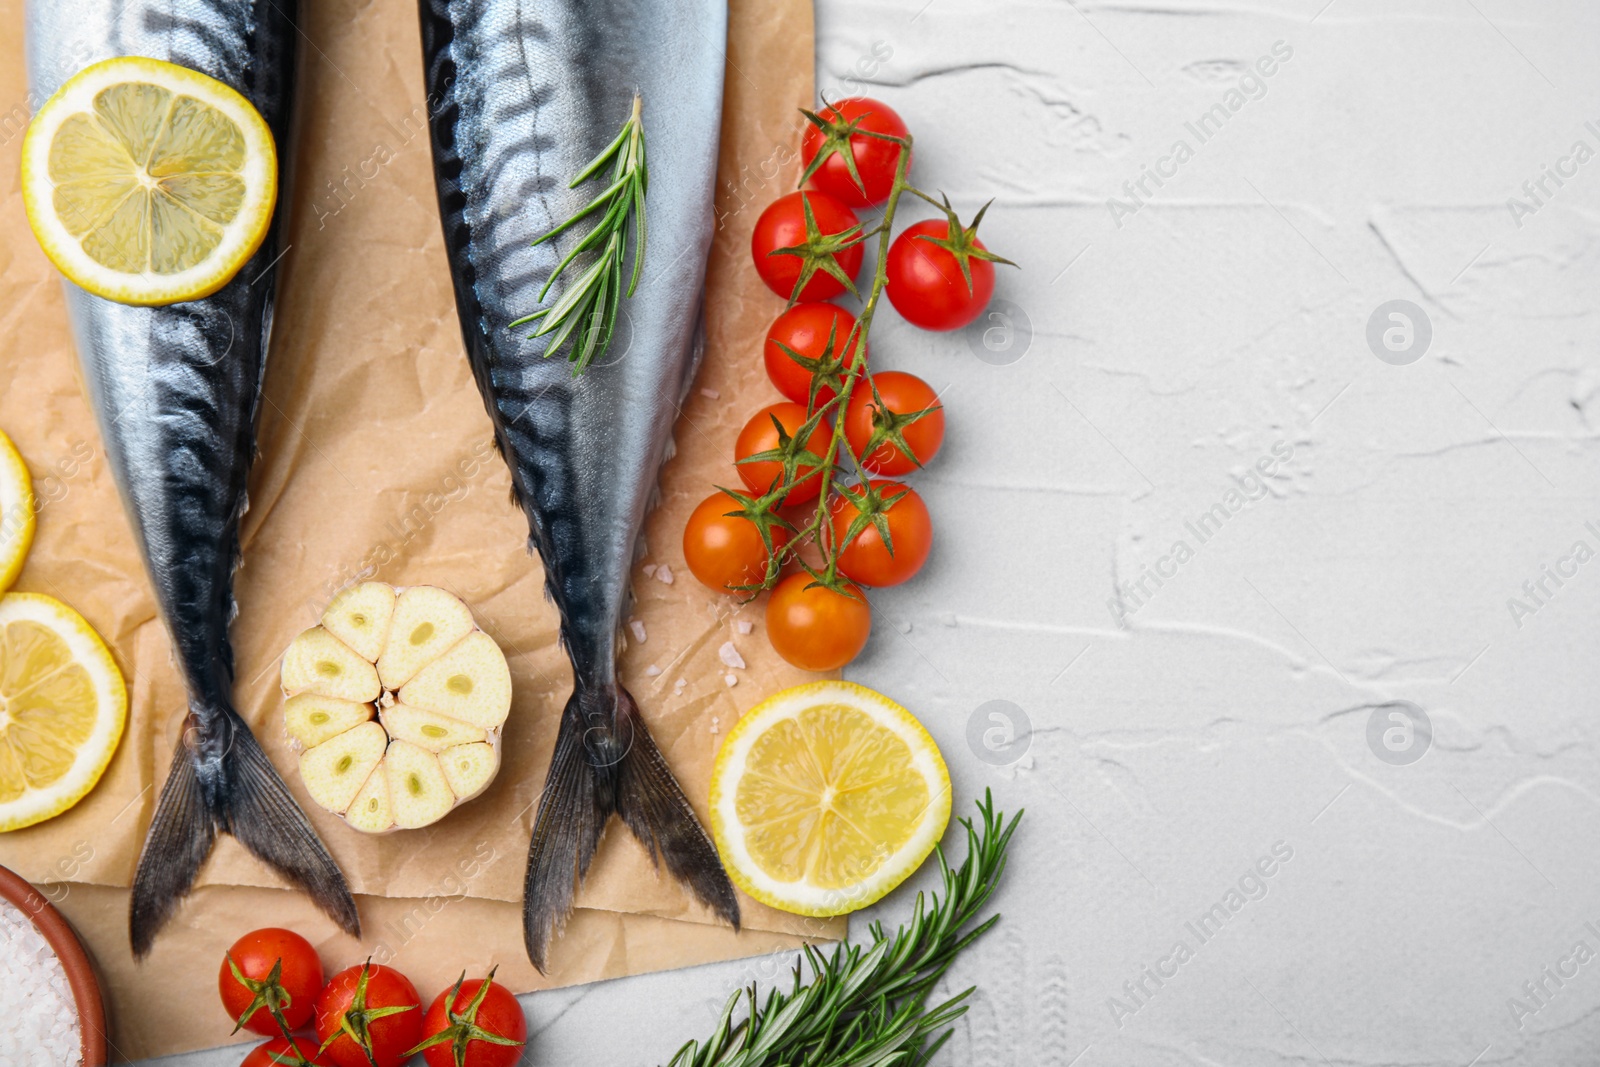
(1381, 596)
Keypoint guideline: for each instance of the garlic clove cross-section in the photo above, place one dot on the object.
(396, 701)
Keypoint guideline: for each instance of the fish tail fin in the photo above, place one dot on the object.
(605, 762)
(180, 839)
(249, 801)
(265, 818)
(653, 805)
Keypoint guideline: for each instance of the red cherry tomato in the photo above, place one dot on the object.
(725, 550)
(276, 1053)
(759, 435)
(352, 995)
(498, 1014)
(875, 160)
(865, 558)
(817, 629)
(925, 283)
(255, 954)
(783, 225)
(805, 329)
(902, 394)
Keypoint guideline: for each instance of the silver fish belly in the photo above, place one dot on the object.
(175, 391)
(522, 97)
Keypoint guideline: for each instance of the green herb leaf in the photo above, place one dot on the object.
(585, 316)
(867, 1005)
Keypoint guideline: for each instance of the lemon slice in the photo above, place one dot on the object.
(62, 708)
(825, 797)
(16, 512)
(148, 183)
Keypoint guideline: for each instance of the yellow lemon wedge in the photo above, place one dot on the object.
(16, 512)
(825, 797)
(147, 182)
(62, 708)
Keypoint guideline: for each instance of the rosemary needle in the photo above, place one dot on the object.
(584, 317)
(867, 1004)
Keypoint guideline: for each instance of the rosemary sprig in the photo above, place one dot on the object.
(866, 1005)
(586, 314)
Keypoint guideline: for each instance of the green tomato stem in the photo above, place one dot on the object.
(819, 526)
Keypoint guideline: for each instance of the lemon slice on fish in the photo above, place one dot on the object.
(16, 512)
(62, 708)
(827, 796)
(148, 183)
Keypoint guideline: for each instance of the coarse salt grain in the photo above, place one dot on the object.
(664, 574)
(40, 1017)
(731, 680)
(649, 570)
(637, 626)
(652, 670)
(711, 394)
(730, 655)
(744, 626)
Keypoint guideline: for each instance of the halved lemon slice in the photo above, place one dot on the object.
(16, 512)
(148, 183)
(825, 797)
(62, 708)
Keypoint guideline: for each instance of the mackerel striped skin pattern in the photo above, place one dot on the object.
(176, 391)
(529, 93)
(523, 95)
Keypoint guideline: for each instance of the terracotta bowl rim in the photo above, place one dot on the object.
(74, 960)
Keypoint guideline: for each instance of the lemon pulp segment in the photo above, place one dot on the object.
(825, 797)
(63, 705)
(148, 183)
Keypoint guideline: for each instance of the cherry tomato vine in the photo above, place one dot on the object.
(815, 519)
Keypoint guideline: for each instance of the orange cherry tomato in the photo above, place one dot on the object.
(723, 550)
(902, 394)
(759, 435)
(866, 558)
(817, 629)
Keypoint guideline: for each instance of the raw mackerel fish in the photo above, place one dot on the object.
(527, 94)
(175, 391)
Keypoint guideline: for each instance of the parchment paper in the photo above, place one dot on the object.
(376, 460)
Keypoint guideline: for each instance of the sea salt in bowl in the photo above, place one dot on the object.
(49, 998)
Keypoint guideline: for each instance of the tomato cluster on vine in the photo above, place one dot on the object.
(820, 514)
(368, 1015)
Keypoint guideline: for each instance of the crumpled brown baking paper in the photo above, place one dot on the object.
(376, 460)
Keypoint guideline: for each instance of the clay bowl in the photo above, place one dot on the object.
(74, 960)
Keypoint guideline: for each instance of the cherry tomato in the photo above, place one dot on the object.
(875, 160)
(498, 1014)
(902, 395)
(783, 225)
(805, 329)
(255, 954)
(866, 559)
(759, 435)
(725, 550)
(925, 283)
(350, 997)
(276, 1053)
(817, 629)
